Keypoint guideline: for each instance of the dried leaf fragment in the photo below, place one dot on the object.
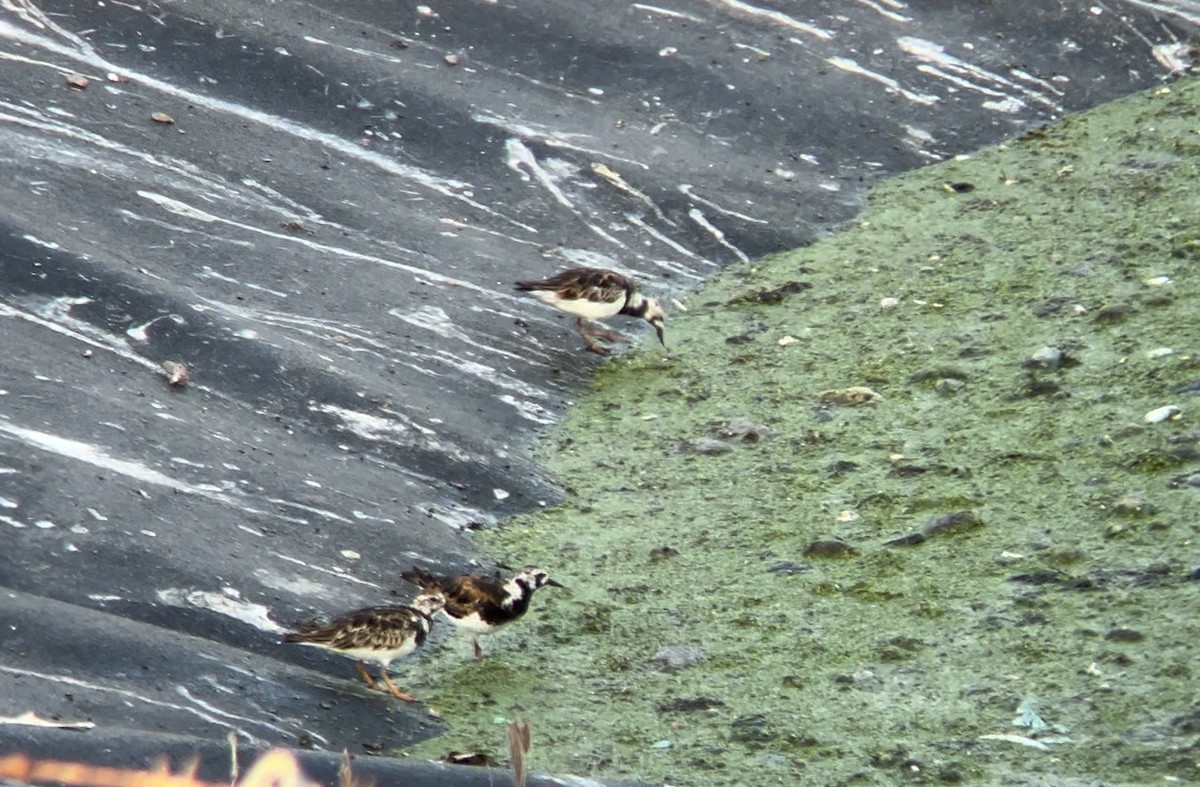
(164, 118)
(78, 81)
(855, 396)
(177, 374)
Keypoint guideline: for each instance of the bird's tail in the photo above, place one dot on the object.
(422, 579)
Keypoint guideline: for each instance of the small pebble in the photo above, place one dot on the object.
(1157, 281)
(676, 657)
(788, 341)
(888, 303)
(1159, 352)
(830, 547)
(1160, 414)
(1047, 358)
(1124, 635)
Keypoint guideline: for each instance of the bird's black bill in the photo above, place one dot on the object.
(659, 330)
(554, 583)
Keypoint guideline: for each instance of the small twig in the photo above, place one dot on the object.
(518, 747)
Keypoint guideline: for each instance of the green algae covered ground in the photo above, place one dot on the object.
(1044, 533)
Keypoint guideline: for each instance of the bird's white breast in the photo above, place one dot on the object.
(592, 310)
(472, 623)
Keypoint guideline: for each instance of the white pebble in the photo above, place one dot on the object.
(787, 341)
(1157, 281)
(350, 554)
(1159, 352)
(888, 303)
(1160, 414)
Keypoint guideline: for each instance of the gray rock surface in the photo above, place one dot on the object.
(326, 235)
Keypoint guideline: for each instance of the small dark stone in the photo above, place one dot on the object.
(961, 187)
(908, 540)
(1113, 313)
(936, 373)
(775, 295)
(1194, 574)
(1188, 723)
(752, 728)
(788, 568)
(1052, 576)
(953, 524)
(830, 547)
(663, 552)
(1035, 386)
(841, 467)
(741, 338)
(1124, 635)
(744, 431)
(1050, 306)
(688, 704)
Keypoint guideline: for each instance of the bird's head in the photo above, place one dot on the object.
(533, 578)
(428, 603)
(656, 317)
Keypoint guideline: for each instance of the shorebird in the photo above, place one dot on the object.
(378, 634)
(479, 603)
(596, 294)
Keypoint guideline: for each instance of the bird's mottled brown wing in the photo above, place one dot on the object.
(472, 592)
(593, 284)
(373, 627)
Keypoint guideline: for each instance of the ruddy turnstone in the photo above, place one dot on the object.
(596, 294)
(481, 604)
(378, 634)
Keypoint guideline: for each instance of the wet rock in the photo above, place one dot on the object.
(953, 524)
(907, 540)
(830, 547)
(1113, 313)
(937, 373)
(1124, 635)
(676, 657)
(1046, 358)
(690, 704)
(741, 430)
